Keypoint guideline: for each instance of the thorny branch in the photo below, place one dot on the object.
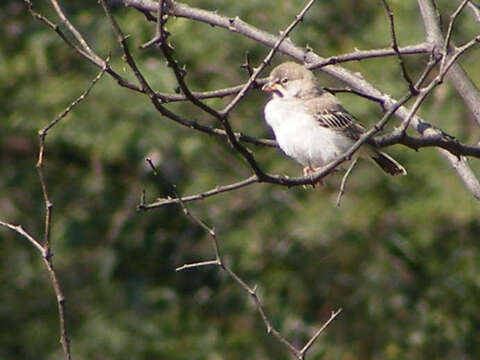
(45, 247)
(252, 291)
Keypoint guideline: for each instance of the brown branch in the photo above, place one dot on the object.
(268, 58)
(403, 66)
(60, 33)
(45, 248)
(341, 191)
(78, 36)
(159, 34)
(21, 231)
(319, 332)
(219, 262)
(180, 77)
(298, 353)
(204, 195)
(244, 152)
(47, 259)
(431, 138)
(220, 93)
(97, 61)
(41, 155)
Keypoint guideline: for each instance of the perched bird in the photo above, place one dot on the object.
(311, 125)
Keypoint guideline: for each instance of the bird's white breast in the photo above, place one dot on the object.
(300, 136)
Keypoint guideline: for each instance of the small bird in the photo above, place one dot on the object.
(311, 126)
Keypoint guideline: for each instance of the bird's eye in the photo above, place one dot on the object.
(284, 80)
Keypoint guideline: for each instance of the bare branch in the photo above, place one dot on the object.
(218, 190)
(344, 180)
(307, 346)
(299, 354)
(19, 229)
(337, 59)
(83, 43)
(268, 58)
(431, 138)
(42, 134)
(197, 264)
(358, 55)
(60, 33)
(64, 113)
(407, 78)
(464, 172)
(460, 80)
(220, 93)
(47, 259)
(45, 249)
(475, 10)
(159, 35)
(453, 17)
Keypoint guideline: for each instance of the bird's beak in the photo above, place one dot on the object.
(272, 87)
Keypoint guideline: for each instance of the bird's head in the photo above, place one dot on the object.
(291, 80)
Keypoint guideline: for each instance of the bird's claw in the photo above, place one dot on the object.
(310, 171)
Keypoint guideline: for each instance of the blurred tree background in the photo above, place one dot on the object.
(401, 256)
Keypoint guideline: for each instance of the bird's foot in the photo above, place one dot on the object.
(309, 171)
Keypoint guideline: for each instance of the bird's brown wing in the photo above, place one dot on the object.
(330, 114)
(339, 120)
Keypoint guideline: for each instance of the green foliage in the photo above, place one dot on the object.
(400, 256)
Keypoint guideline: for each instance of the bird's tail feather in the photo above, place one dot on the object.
(388, 164)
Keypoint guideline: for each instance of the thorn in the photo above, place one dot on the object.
(183, 70)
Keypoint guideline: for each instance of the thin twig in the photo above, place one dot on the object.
(299, 354)
(159, 35)
(344, 180)
(60, 33)
(21, 231)
(219, 262)
(197, 264)
(78, 36)
(268, 58)
(46, 247)
(359, 55)
(41, 155)
(220, 93)
(47, 259)
(43, 131)
(475, 10)
(427, 90)
(448, 36)
(403, 66)
(218, 190)
(307, 346)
